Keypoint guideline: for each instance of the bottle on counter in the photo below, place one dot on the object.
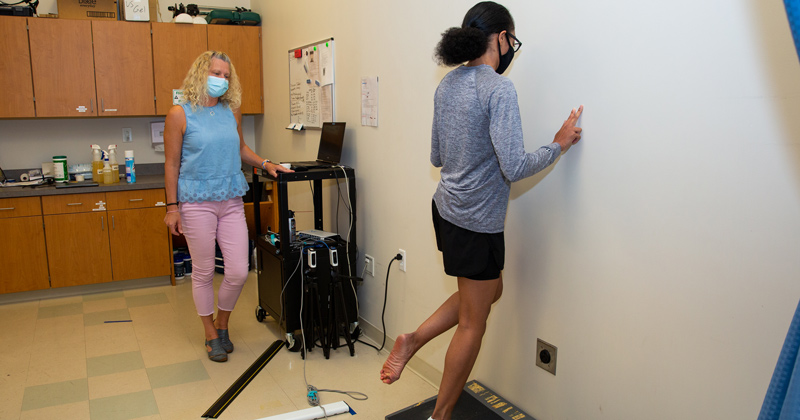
(60, 172)
(107, 174)
(112, 160)
(97, 164)
(130, 168)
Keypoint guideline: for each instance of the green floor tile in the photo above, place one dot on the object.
(103, 296)
(146, 300)
(179, 373)
(58, 393)
(60, 310)
(114, 363)
(124, 407)
(97, 318)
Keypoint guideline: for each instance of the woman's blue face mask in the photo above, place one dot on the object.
(217, 86)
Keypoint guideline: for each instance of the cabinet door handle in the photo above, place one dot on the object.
(136, 199)
(8, 208)
(113, 223)
(103, 104)
(74, 204)
(102, 223)
(91, 105)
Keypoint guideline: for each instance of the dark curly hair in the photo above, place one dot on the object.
(471, 40)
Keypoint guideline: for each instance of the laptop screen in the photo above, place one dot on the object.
(330, 142)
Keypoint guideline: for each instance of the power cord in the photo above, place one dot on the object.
(312, 393)
(397, 257)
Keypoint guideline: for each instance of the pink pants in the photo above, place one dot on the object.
(224, 221)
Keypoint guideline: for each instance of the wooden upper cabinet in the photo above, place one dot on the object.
(123, 63)
(243, 46)
(175, 47)
(63, 67)
(16, 68)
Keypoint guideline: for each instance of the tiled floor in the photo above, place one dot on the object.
(63, 358)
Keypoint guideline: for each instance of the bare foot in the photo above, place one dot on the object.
(401, 353)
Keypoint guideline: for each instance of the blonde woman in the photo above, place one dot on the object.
(204, 151)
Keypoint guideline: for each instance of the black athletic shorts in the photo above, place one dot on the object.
(474, 255)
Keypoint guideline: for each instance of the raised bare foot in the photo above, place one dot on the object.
(401, 353)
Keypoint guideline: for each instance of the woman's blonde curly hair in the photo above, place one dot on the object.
(195, 85)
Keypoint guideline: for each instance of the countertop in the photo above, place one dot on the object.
(143, 182)
(153, 178)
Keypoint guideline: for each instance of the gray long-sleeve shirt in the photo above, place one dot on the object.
(477, 141)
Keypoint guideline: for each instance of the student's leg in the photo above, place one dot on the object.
(406, 345)
(475, 298)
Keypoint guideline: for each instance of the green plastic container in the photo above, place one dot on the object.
(230, 17)
(60, 171)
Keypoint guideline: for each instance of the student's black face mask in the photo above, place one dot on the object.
(505, 59)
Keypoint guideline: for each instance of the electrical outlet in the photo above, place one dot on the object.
(546, 356)
(403, 261)
(369, 263)
(127, 135)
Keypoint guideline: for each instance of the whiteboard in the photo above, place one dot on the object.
(311, 88)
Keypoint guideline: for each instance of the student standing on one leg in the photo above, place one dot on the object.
(477, 141)
(204, 183)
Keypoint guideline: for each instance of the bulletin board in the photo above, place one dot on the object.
(311, 85)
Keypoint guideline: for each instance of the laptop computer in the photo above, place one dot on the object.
(330, 147)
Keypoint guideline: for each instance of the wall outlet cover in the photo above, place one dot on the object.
(546, 356)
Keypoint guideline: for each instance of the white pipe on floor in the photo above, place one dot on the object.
(313, 412)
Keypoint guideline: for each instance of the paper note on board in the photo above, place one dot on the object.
(326, 103)
(326, 64)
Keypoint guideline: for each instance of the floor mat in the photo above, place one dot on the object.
(477, 402)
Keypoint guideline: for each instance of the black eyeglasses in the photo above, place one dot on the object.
(517, 43)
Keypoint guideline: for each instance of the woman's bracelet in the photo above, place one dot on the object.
(172, 211)
(264, 163)
(172, 204)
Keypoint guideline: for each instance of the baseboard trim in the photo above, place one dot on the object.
(425, 370)
(60, 292)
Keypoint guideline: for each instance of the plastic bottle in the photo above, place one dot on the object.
(112, 159)
(107, 173)
(60, 172)
(97, 164)
(130, 168)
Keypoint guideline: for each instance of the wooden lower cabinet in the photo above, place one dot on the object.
(77, 248)
(139, 243)
(102, 237)
(22, 246)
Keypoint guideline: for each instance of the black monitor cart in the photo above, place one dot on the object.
(328, 290)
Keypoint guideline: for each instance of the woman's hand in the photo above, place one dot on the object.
(569, 134)
(273, 169)
(173, 221)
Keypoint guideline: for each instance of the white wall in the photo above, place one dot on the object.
(659, 255)
(26, 144)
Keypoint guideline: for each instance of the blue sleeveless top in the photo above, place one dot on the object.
(211, 165)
